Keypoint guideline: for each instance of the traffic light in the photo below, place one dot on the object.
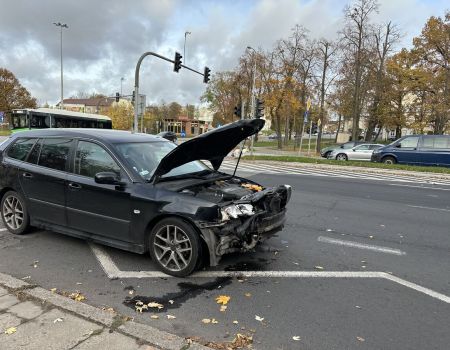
(237, 111)
(259, 105)
(177, 64)
(206, 75)
(117, 97)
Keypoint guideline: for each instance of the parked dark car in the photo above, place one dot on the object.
(168, 135)
(416, 150)
(325, 152)
(139, 193)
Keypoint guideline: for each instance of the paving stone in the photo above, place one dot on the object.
(3, 291)
(8, 320)
(7, 301)
(27, 310)
(108, 341)
(44, 333)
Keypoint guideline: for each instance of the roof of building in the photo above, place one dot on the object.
(98, 101)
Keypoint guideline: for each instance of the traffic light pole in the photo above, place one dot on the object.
(136, 82)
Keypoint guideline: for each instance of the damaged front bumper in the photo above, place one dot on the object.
(244, 233)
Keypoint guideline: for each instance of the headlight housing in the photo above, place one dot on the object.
(236, 210)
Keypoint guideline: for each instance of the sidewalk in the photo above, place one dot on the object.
(35, 318)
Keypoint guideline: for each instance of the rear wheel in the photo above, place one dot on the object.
(15, 213)
(341, 156)
(175, 247)
(389, 160)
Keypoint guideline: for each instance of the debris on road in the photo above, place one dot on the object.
(57, 320)
(223, 299)
(259, 318)
(11, 330)
(155, 305)
(361, 339)
(296, 338)
(318, 267)
(241, 341)
(171, 317)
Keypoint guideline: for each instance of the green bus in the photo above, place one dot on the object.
(40, 118)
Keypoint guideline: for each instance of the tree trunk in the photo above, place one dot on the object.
(338, 128)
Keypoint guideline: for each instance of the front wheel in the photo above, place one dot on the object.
(15, 213)
(341, 156)
(175, 247)
(389, 160)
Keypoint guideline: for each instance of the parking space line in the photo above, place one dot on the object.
(113, 272)
(353, 244)
(429, 208)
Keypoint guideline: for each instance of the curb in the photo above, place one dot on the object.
(152, 336)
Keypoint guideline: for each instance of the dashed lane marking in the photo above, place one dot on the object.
(112, 271)
(429, 208)
(353, 244)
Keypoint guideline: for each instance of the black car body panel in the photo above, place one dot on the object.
(213, 145)
(122, 215)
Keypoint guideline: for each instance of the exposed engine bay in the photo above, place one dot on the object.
(248, 214)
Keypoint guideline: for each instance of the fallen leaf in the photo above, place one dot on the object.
(223, 299)
(370, 237)
(155, 317)
(235, 322)
(360, 339)
(170, 317)
(206, 320)
(358, 307)
(53, 290)
(11, 330)
(155, 304)
(171, 302)
(57, 320)
(329, 230)
(258, 318)
(140, 306)
(131, 292)
(35, 263)
(214, 321)
(248, 295)
(26, 277)
(318, 267)
(223, 308)
(79, 283)
(77, 296)
(296, 338)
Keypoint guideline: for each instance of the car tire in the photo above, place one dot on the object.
(15, 213)
(341, 156)
(175, 247)
(388, 160)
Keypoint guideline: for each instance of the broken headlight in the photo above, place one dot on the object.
(236, 210)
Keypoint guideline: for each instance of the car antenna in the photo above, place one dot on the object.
(240, 154)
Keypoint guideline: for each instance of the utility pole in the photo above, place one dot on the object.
(121, 81)
(61, 26)
(184, 46)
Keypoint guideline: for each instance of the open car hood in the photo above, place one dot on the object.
(213, 145)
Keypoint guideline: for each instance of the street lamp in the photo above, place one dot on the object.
(61, 26)
(121, 81)
(184, 47)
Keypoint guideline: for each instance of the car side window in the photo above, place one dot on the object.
(35, 152)
(371, 147)
(54, 153)
(362, 148)
(20, 149)
(409, 142)
(91, 159)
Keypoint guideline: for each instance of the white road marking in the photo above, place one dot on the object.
(352, 244)
(3, 229)
(429, 188)
(429, 208)
(112, 271)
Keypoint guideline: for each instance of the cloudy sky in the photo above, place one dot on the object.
(105, 39)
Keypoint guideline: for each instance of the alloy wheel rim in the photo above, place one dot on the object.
(13, 212)
(341, 157)
(172, 248)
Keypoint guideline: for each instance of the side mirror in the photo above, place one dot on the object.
(398, 145)
(108, 178)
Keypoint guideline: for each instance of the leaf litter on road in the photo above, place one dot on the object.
(10, 330)
(223, 299)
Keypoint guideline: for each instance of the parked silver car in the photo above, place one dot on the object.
(360, 152)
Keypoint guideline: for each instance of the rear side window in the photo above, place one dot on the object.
(436, 142)
(20, 149)
(54, 153)
(92, 159)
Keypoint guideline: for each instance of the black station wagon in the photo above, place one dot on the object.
(139, 193)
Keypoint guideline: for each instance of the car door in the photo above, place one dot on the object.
(97, 209)
(43, 180)
(360, 152)
(406, 150)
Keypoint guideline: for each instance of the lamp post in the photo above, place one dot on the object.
(121, 81)
(253, 94)
(184, 46)
(61, 26)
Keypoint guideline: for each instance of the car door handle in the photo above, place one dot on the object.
(75, 186)
(27, 175)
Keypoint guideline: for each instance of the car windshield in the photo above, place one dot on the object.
(144, 157)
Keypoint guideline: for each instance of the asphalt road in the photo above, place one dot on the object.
(395, 236)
